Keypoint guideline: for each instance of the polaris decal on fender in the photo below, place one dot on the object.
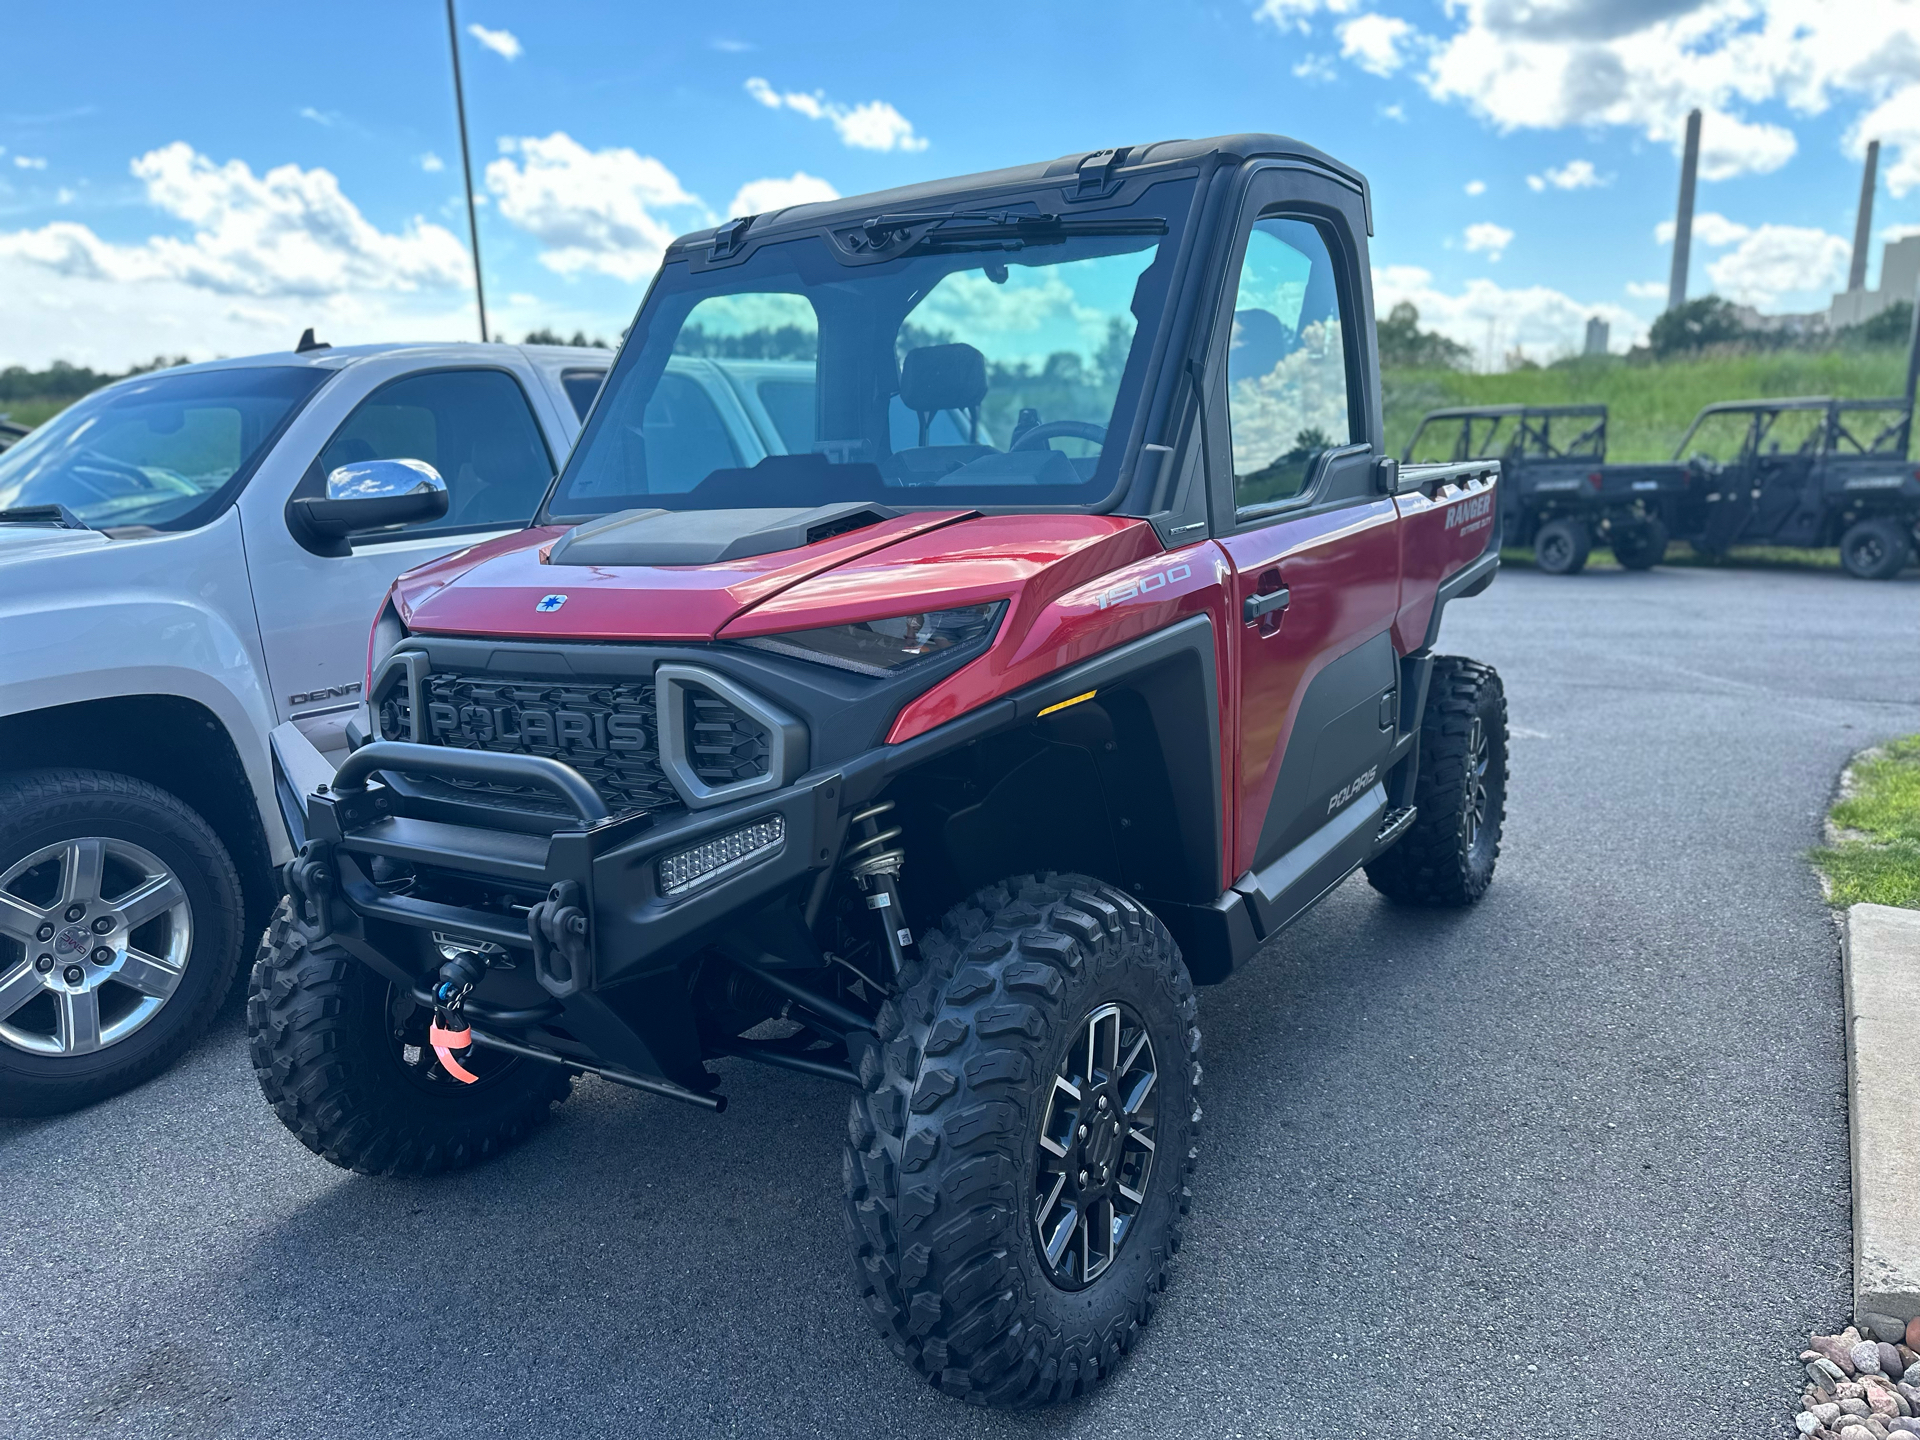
(1145, 585)
(1352, 788)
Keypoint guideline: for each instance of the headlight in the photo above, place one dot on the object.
(885, 647)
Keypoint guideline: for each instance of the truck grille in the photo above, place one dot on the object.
(606, 730)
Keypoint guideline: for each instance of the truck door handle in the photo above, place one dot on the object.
(1256, 606)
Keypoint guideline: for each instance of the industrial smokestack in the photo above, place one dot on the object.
(1683, 221)
(1863, 227)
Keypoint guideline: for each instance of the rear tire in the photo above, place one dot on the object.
(1561, 547)
(1876, 549)
(965, 1151)
(68, 840)
(1640, 545)
(321, 1032)
(1448, 855)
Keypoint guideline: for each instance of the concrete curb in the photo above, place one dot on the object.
(1880, 952)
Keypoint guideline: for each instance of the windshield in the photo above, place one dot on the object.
(156, 451)
(974, 371)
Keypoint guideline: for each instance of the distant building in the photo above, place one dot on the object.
(1899, 275)
(1598, 333)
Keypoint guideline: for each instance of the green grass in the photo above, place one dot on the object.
(1877, 858)
(1651, 405)
(1741, 557)
(32, 412)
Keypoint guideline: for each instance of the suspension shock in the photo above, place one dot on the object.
(874, 862)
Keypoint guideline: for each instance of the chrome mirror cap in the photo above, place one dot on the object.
(383, 480)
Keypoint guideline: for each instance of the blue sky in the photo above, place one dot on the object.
(214, 184)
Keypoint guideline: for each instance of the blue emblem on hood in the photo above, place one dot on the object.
(550, 602)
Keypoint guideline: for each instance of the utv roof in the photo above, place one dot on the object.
(1502, 412)
(1093, 174)
(1802, 402)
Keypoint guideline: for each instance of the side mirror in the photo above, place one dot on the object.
(370, 495)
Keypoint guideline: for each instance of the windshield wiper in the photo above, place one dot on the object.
(58, 516)
(1000, 229)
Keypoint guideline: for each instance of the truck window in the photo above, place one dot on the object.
(1286, 362)
(581, 386)
(473, 426)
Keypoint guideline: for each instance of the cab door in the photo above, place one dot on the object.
(1313, 544)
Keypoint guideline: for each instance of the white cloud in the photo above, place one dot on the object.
(1317, 68)
(1294, 14)
(733, 47)
(290, 232)
(1643, 64)
(1537, 319)
(503, 43)
(1373, 42)
(1476, 187)
(1710, 227)
(30, 162)
(1395, 112)
(876, 125)
(1648, 289)
(1895, 123)
(1491, 238)
(593, 210)
(757, 197)
(1574, 175)
(1776, 261)
(432, 163)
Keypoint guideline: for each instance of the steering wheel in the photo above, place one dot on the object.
(1039, 435)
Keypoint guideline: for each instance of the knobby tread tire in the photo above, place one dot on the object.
(1431, 864)
(35, 804)
(1640, 547)
(936, 1165)
(1876, 549)
(316, 1034)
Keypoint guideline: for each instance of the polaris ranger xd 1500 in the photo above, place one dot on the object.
(941, 765)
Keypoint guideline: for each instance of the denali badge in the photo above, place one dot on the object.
(325, 692)
(550, 602)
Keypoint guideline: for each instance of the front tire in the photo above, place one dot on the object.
(120, 923)
(983, 1130)
(1875, 549)
(1561, 547)
(344, 1062)
(1448, 854)
(1640, 545)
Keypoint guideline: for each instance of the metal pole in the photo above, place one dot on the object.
(1863, 227)
(466, 169)
(1683, 221)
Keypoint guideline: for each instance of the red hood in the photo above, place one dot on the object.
(493, 589)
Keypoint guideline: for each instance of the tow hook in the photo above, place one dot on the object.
(449, 1034)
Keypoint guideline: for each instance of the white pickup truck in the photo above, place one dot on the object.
(182, 567)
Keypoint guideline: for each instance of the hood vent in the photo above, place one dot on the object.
(707, 537)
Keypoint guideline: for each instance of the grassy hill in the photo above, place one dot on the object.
(1650, 405)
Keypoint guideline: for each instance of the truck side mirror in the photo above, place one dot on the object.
(370, 495)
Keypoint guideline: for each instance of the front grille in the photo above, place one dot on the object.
(607, 730)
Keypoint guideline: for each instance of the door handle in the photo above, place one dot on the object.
(1257, 606)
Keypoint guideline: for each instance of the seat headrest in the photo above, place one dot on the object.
(943, 377)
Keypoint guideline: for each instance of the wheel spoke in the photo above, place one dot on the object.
(148, 974)
(1047, 1126)
(79, 1022)
(1140, 1137)
(1126, 1066)
(155, 897)
(18, 986)
(1139, 1096)
(1046, 1205)
(80, 869)
(19, 919)
(1056, 1243)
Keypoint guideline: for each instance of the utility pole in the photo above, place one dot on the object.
(1863, 227)
(1683, 221)
(466, 169)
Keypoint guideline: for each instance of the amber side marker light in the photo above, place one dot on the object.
(1065, 703)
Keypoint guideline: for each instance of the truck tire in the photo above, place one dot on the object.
(1640, 545)
(120, 924)
(1447, 855)
(1561, 547)
(1876, 549)
(970, 1156)
(345, 1064)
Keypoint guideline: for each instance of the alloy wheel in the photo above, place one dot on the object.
(1479, 758)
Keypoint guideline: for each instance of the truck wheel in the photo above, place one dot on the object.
(120, 918)
(1560, 547)
(1875, 549)
(1447, 855)
(343, 1057)
(1017, 1165)
(1640, 545)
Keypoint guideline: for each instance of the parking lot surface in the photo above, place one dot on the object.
(1573, 1163)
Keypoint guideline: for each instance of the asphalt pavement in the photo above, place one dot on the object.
(1573, 1163)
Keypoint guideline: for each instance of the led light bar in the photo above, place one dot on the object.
(721, 856)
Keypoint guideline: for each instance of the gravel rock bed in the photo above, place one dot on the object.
(1857, 1386)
